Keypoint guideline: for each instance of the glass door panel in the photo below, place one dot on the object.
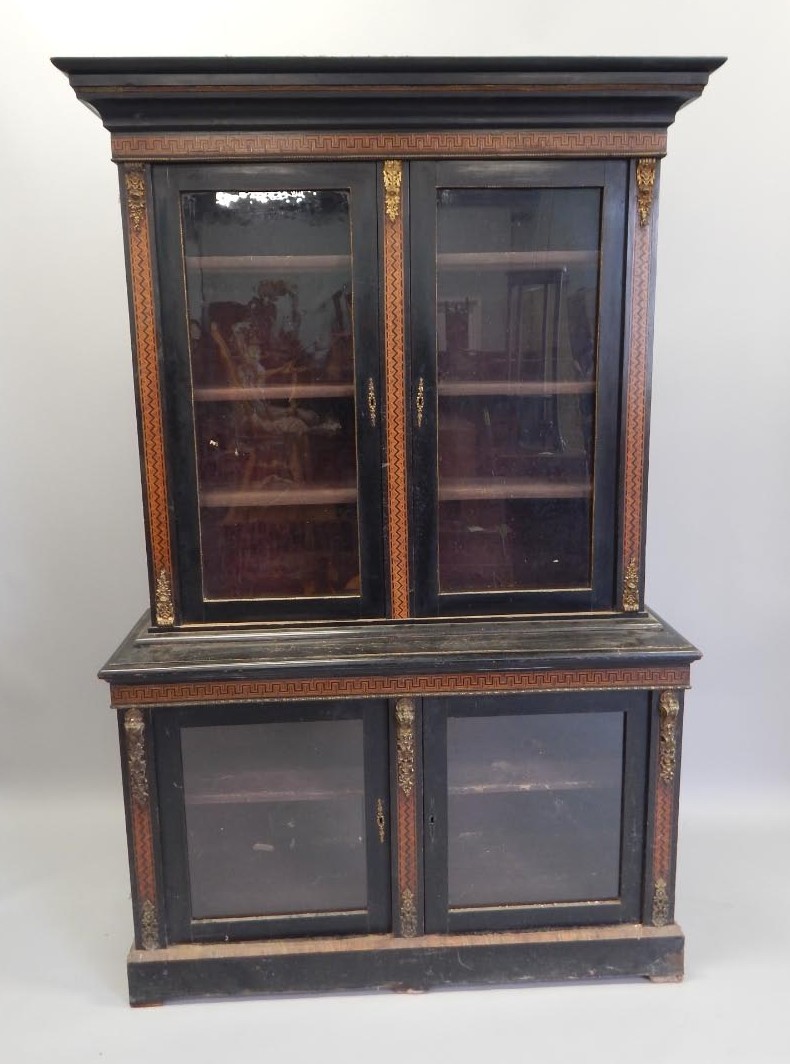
(275, 817)
(269, 292)
(517, 309)
(534, 808)
(280, 305)
(281, 820)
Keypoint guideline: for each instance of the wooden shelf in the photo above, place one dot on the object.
(269, 263)
(275, 495)
(510, 488)
(247, 788)
(522, 260)
(515, 388)
(233, 394)
(506, 778)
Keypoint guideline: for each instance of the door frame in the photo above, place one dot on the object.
(181, 925)
(626, 907)
(360, 180)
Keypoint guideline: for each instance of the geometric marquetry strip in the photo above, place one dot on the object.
(144, 870)
(564, 143)
(664, 816)
(395, 386)
(601, 679)
(638, 357)
(146, 351)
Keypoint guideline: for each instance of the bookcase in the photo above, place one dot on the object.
(397, 715)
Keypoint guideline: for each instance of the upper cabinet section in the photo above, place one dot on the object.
(392, 328)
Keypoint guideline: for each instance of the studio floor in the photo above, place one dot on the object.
(65, 930)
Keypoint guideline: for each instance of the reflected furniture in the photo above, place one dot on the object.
(397, 715)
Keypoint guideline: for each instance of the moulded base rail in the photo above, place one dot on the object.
(384, 962)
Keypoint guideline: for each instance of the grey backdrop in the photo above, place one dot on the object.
(72, 571)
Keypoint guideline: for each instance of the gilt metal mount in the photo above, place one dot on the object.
(393, 176)
(668, 710)
(404, 716)
(645, 184)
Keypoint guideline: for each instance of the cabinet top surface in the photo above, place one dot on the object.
(485, 645)
(380, 65)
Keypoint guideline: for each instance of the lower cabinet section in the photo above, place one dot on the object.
(320, 844)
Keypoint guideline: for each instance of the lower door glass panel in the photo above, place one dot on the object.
(534, 808)
(275, 818)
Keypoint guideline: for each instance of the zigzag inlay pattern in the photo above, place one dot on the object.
(663, 829)
(392, 686)
(636, 411)
(394, 370)
(146, 350)
(163, 147)
(144, 872)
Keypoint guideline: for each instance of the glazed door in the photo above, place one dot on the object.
(269, 307)
(275, 820)
(516, 297)
(534, 810)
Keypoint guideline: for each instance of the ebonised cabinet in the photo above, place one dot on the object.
(398, 715)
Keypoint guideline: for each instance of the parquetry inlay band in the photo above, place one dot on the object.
(392, 686)
(561, 143)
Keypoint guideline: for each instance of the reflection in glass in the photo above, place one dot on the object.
(517, 299)
(268, 277)
(275, 818)
(534, 808)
